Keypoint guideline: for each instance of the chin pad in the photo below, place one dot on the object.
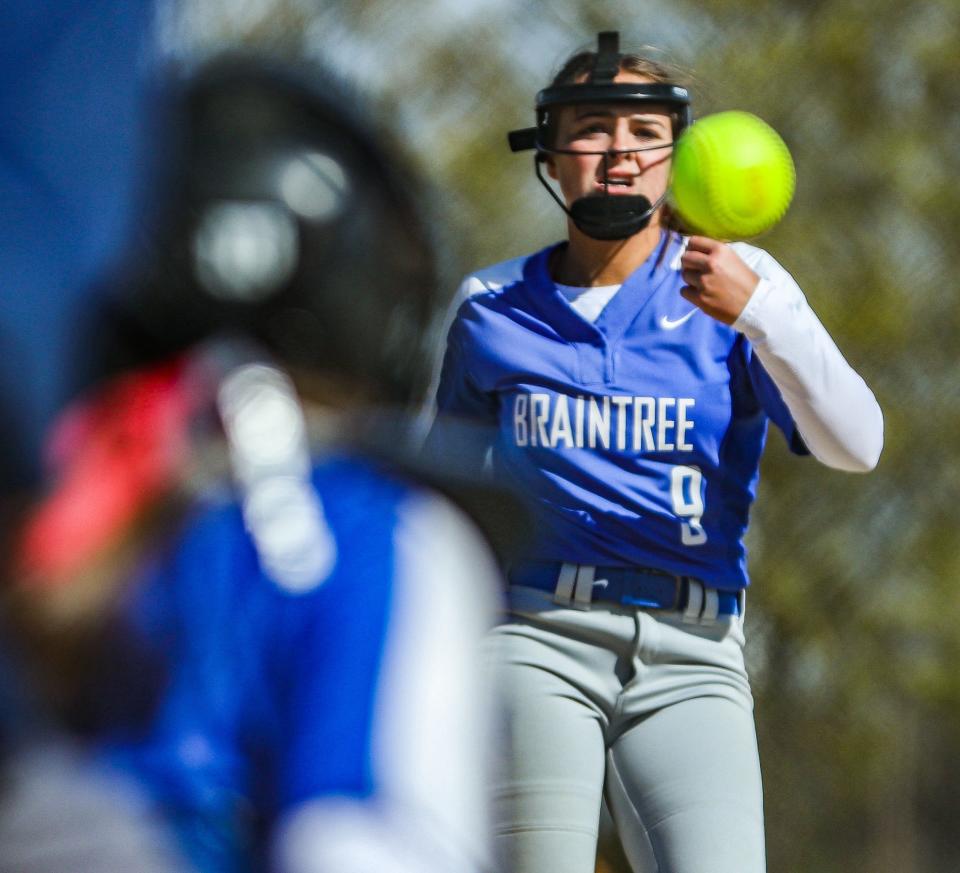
(609, 217)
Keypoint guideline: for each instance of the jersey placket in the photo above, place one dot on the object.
(597, 344)
(626, 307)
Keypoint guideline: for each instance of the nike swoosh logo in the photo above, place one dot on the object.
(601, 583)
(667, 324)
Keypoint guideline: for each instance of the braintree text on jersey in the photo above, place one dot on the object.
(616, 422)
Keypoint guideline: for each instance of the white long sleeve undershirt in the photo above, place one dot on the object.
(835, 412)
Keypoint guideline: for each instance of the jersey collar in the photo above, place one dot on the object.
(617, 316)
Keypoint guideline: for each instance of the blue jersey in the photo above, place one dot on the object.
(284, 694)
(639, 435)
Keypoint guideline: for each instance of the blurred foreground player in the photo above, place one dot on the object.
(309, 616)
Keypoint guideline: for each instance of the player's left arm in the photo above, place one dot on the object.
(835, 411)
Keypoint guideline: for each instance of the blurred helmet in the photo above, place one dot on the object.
(287, 221)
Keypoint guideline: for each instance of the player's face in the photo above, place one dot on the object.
(589, 129)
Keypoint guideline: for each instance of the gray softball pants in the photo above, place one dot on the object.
(639, 704)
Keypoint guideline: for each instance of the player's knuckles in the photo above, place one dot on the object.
(716, 262)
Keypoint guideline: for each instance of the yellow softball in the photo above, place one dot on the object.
(732, 176)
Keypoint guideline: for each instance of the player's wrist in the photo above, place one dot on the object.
(755, 317)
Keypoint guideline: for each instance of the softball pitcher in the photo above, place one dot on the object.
(628, 374)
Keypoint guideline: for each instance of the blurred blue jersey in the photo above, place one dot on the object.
(639, 434)
(353, 698)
